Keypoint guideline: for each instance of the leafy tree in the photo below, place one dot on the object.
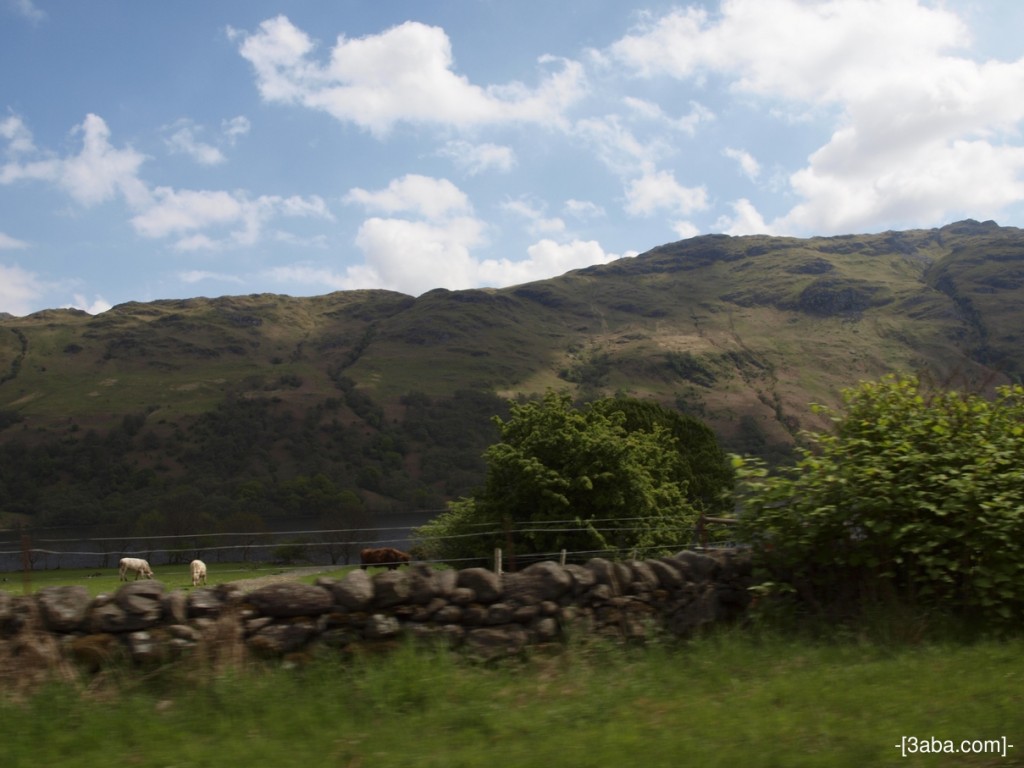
(703, 467)
(917, 499)
(590, 479)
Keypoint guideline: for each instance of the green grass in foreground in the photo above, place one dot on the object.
(728, 700)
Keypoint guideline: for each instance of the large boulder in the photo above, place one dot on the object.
(63, 609)
(391, 588)
(609, 574)
(136, 606)
(203, 602)
(536, 583)
(279, 639)
(354, 592)
(486, 585)
(700, 567)
(291, 598)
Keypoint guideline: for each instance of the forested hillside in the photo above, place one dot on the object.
(209, 411)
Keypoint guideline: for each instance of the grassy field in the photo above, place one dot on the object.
(106, 580)
(731, 699)
(739, 697)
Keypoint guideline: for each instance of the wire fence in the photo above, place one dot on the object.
(20, 550)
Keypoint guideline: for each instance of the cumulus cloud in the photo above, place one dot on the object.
(234, 127)
(185, 139)
(415, 194)
(746, 161)
(404, 74)
(436, 245)
(19, 289)
(921, 131)
(474, 159)
(745, 220)
(687, 124)
(546, 258)
(685, 229)
(9, 243)
(184, 213)
(534, 213)
(95, 175)
(618, 146)
(96, 306)
(17, 135)
(659, 190)
(416, 256)
(583, 209)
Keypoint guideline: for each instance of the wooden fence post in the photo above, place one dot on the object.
(561, 558)
(497, 560)
(26, 563)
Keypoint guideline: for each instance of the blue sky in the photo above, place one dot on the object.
(169, 150)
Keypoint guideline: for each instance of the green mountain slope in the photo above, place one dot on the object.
(389, 395)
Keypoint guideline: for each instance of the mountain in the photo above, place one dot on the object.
(390, 395)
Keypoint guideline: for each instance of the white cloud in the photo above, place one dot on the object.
(95, 175)
(747, 163)
(202, 275)
(746, 220)
(659, 190)
(547, 258)
(184, 212)
(687, 124)
(8, 243)
(416, 256)
(534, 213)
(931, 184)
(920, 131)
(790, 48)
(100, 171)
(235, 127)
(184, 140)
(474, 159)
(94, 307)
(19, 290)
(175, 211)
(412, 193)
(685, 229)
(27, 10)
(583, 209)
(404, 74)
(618, 147)
(18, 136)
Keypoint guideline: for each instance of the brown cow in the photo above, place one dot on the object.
(388, 556)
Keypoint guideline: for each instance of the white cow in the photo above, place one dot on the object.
(136, 564)
(198, 572)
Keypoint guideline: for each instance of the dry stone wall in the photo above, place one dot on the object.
(485, 613)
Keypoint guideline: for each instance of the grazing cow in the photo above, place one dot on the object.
(388, 556)
(136, 564)
(198, 572)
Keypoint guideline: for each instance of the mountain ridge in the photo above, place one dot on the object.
(744, 333)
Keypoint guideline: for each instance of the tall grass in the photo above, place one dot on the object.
(733, 698)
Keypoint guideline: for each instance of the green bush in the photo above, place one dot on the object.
(616, 477)
(917, 500)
